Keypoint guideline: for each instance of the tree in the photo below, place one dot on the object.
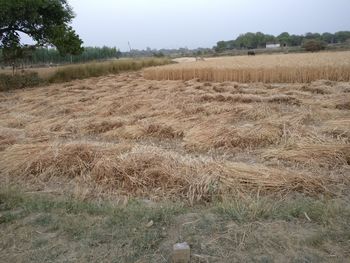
(342, 36)
(314, 45)
(220, 46)
(284, 39)
(296, 40)
(158, 54)
(45, 21)
(269, 39)
(327, 37)
(311, 36)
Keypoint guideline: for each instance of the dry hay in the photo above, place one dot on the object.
(151, 172)
(103, 126)
(329, 155)
(338, 128)
(337, 101)
(317, 89)
(251, 98)
(10, 136)
(69, 159)
(244, 136)
(6, 141)
(144, 130)
(291, 68)
(178, 139)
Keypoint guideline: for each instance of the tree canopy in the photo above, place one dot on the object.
(47, 22)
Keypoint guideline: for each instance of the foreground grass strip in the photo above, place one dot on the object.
(47, 228)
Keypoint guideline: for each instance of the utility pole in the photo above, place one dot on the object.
(130, 48)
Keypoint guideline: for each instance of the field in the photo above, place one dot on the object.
(250, 171)
(282, 68)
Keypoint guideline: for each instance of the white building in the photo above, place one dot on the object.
(273, 45)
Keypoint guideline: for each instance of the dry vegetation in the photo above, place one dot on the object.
(282, 68)
(272, 159)
(179, 139)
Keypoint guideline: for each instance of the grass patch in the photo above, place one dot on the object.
(298, 207)
(250, 230)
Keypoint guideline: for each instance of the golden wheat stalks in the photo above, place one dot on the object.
(301, 68)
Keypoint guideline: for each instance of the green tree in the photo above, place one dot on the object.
(45, 21)
(284, 39)
(310, 35)
(269, 39)
(220, 46)
(247, 40)
(327, 37)
(295, 40)
(342, 36)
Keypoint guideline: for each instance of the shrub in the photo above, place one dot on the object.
(79, 71)
(82, 71)
(314, 45)
(29, 79)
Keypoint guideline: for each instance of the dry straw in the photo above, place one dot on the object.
(150, 171)
(179, 140)
(290, 68)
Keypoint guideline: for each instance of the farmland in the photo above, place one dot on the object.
(282, 68)
(268, 156)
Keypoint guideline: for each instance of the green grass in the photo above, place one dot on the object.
(298, 207)
(56, 228)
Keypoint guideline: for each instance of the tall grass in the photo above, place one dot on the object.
(42, 76)
(88, 70)
(9, 82)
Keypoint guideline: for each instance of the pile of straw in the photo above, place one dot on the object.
(152, 172)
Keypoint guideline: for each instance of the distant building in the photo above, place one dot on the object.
(273, 45)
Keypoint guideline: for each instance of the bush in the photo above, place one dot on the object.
(9, 82)
(313, 45)
(79, 71)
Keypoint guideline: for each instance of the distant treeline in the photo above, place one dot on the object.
(180, 52)
(258, 40)
(51, 55)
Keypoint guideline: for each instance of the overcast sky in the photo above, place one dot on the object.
(200, 23)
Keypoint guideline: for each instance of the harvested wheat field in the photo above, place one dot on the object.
(188, 140)
(281, 68)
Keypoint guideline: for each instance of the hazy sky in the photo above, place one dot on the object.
(200, 23)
